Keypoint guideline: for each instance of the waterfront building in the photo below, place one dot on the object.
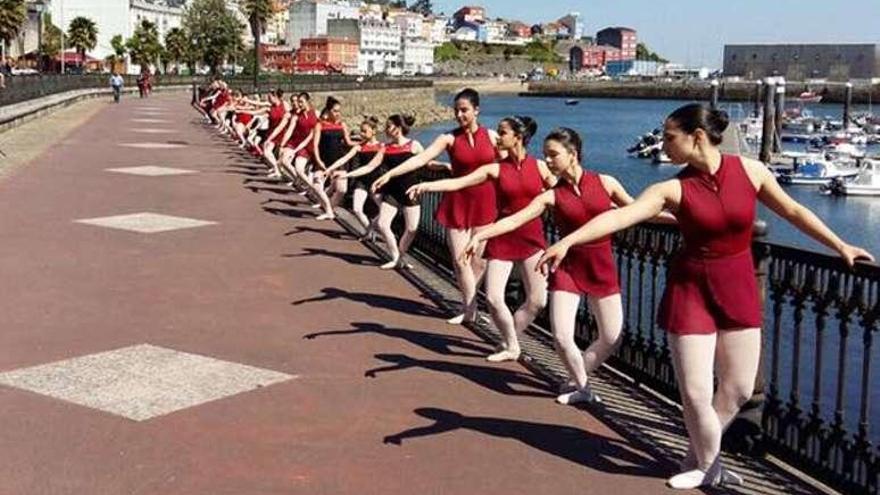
(379, 43)
(114, 17)
(574, 24)
(26, 41)
(410, 23)
(624, 38)
(325, 54)
(517, 29)
(416, 56)
(632, 68)
(276, 27)
(595, 57)
(496, 31)
(798, 62)
(678, 71)
(434, 29)
(308, 18)
(278, 58)
(469, 15)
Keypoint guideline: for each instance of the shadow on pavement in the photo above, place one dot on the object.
(497, 379)
(572, 444)
(381, 301)
(438, 343)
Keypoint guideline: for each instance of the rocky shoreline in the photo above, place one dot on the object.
(419, 102)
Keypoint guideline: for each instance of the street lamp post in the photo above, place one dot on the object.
(39, 7)
(61, 6)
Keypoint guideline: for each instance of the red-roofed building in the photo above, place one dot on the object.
(278, 58)
(595, 57)
(325, 55)
(623, 38)
(519, 29)
(470, 15)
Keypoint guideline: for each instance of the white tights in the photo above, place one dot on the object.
(468, 275)
(359, 200)
(510, 324)
(735, 355)
(411, 215)
(608, 312)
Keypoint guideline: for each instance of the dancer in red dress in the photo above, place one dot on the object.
(578, 196)
(279, 118)
(463, 212)
(711, 308)
(517, 179)
(297, 142)
(394, 154)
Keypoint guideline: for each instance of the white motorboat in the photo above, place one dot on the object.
(866, 183)
(810, 169)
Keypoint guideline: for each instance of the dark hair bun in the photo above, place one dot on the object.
(409, 120)
(531, 127)
(698, 116)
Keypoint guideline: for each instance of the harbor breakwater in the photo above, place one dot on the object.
(831, 92)
(356, 103)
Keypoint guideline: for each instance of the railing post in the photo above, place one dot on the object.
(746, 433)
(768, 127)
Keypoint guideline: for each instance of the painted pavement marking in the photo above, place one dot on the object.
(146, 222)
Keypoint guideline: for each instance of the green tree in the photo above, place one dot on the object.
(118, 56)
(52, 35)
(12, 16)
(82, 34)
(446, 51)
(177, 46)
(215, 32)
(423, 7)
(257, 13)
(643, 53)
(538, 51)
(144, 46)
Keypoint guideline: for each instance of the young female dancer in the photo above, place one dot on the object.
(467, 211)
(331, 141)
(279, 117)
(518, 179)
(296, 144)
(578, 196)
(365, 152)
(396, 152)
(711, 306)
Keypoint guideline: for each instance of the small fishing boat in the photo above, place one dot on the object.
(866, 183)
(810, 169)
(809, 97)
(572, 102)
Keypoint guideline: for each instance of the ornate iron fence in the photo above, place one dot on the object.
(821, 319)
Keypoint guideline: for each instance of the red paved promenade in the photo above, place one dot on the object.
(213, 387)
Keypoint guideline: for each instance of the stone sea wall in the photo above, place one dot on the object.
(688, 90)
(418, 102)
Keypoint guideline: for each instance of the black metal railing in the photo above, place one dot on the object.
(821, 319)
(23, 88)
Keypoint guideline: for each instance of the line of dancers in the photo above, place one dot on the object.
(493, 207)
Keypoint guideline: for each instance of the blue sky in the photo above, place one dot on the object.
(694, 32)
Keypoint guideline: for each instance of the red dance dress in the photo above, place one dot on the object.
(474, 206)
(588, 269)
(711, 282)
(516, 187)
(305, 123)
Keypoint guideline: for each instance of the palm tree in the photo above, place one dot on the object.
(257, 13)
(12, 16)
(177, 46)
(117, 58)
(82, 35)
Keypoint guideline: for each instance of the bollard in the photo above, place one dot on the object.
(780, 116)
(757, 110)
(847, 105)
(714, 100)
(768, 127)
